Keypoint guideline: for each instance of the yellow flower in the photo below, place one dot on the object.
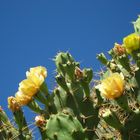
(27, 87)
(30, 86)
(37, 75)
(22, 98)
(131, 42)
(13, 104)
(39, 70)
(112, 87)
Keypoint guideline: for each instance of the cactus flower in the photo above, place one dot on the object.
(30, 86)
(39, 70)
(22, 99)
(13, 104)
(112, 87)
(131, 43)
(37, 75)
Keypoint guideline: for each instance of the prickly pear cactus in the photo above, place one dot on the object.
(119, 89)
(73, 92)
(75, 110)
(68, 112)
(62, 126)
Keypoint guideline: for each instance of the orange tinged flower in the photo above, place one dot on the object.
(119, 49)
(13, 104)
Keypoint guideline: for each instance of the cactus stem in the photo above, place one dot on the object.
(35, 107)
(44, 89)
(123, 103)
(89, 130)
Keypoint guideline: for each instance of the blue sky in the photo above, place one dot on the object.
(32, 32)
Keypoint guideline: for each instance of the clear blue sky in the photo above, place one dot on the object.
(33, 31)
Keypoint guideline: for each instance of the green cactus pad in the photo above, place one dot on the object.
(65, 65)
(64, 127)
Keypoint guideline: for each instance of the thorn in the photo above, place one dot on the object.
(57, 119)
(74, 131)
(70, 117)
(55, 136)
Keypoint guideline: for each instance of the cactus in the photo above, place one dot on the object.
(80, 108)
(7, 129)
(62, 126)
(69, 111)
(119, 110)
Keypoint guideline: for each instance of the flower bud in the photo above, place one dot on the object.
(78, 73)
(13, 104)
(119, 49)
(40, 121)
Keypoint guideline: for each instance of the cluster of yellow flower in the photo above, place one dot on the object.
(113, 86)
(130, 44)
(29, 87)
